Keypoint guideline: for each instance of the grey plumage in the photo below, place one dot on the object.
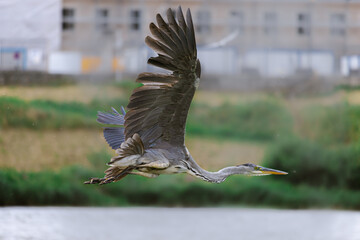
(114, 136)
(149, 138)
(111, 118)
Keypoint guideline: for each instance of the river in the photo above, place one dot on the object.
(75, 223)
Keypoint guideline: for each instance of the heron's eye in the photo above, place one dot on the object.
(257, 168)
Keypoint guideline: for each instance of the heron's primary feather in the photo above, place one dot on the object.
(110, 118)
(158, 110)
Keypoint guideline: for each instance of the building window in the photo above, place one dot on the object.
(203, 21)
(135, 20)
(338, 24)
(102, 18)
(270, 23)
(236, 21)
(304, 24)
(68, 19)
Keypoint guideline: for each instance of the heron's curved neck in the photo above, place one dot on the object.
(215, 177)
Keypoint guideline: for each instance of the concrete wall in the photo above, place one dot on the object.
(29, 30)
(267, 30)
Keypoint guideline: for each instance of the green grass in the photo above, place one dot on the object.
(347, 87)
(127, 85)
(43, 114)
(46, 114)
(66, 188)
(306, 187)
(316, 165)
(257, 120)
(332, 125)
(261, 120)
(323, 161)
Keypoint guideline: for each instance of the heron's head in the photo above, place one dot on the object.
(255, 170)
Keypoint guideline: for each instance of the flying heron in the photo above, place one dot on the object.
(149, 138)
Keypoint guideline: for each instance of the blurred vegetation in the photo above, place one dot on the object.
(319, 147)
(347, 87)
(33, 79)
(127, 85)
(44, 114)
(257, 120)
(315, 165)
(332, 125)
(65, 188)
(260, 120)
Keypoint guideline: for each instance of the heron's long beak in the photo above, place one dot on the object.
(264, 170)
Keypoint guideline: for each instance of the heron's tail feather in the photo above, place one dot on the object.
(112, 174)
(114, 136)
(131, 147)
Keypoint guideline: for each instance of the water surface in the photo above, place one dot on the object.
(53, 223)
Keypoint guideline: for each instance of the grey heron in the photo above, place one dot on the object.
(149, 138)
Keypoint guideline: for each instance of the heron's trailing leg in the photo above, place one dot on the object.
(112, 174)
(124, 163)
(94, 181)
(121, 175)
(156, 164)
(100, 181)
(144, 174)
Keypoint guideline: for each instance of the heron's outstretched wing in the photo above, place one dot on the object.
(114, 136)
(158, 110)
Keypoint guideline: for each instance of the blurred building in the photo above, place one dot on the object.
(29, 32)
(261, 38)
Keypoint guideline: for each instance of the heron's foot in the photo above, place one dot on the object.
(94, 181)
(100, 181)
